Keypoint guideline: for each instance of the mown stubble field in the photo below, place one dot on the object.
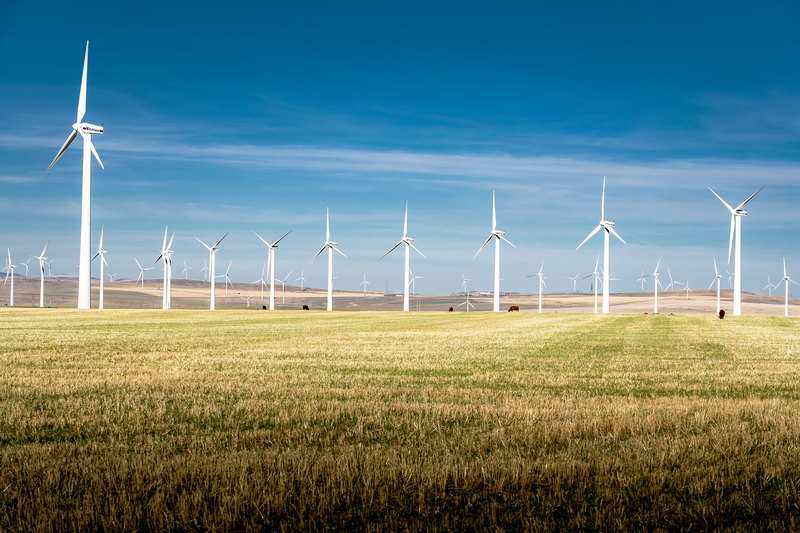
(240, 420)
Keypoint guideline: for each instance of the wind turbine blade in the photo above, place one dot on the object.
(102, 229)
(219, 241)
(716, 272)
(659, 283)
(229, 268)
(615, 234)
(204, 244)
(260, 237)
(590, 236)
(784, 267)
(589, 276)
(484, 244)
(320, 251)
(392, 249)
(751, 197)
(95, 256)
(659, 264)
(335, 248)
(405, 223)
(597, 263)
(712, 284)
(327, 224)
(723, 201)
(88, 138)
(63, 149)
(509, 242)
(420, 253)
(82, 98)
(730, 244)
(103, 259)
(603, 201)
(494, 214)
(541, 268)
(793, 281)
(164, 246)
(172, 238)
(279, 240)
(45, 247)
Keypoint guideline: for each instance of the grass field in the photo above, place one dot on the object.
(235, 420)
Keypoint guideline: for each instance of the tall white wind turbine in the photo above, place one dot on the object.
(26, 266)
(497, 234)
(212, 259)
(407, 272)
(736, 227)
(42, 259)
(102, 253)
(86, 131)
(542, 284)
(10, 272)
(717, 277)
(141, 272)
(271, 263)
(166, 255)
(331, 245)
(608, 226)
(596, 275)
(657, 284)
(788, 280)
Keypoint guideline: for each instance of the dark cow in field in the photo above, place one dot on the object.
(513, 308)
(305, 308)
(451, 309)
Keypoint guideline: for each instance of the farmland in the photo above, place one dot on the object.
(241, 420)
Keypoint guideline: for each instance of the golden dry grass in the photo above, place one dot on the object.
(236, 420)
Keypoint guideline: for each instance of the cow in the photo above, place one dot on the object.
(513, 308)
(305, 308)
(451, 309)
(721, 314)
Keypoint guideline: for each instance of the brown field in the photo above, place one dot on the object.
(187, 420)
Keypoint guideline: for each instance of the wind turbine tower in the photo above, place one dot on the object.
(271, 265)
(497, 234)
(86, 131)
(717, 277)
(736, 227)
(608, 226)
(212, 259)
(407, 272)
(657, 283)
(10, 271)
(787, 279)
(42, 259)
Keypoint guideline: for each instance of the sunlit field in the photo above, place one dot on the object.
(244, 420)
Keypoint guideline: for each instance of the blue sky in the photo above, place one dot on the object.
(237, 117)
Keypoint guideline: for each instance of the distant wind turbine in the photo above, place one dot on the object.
(736, 227)
(541, 277)
(205, 270)
(212, 260)
(42, 259)
(141, 272)
(302, 280)
(331, 245)
(467, 302)
(271, 265)
(102, 254)
(166, 256)
(574, 283)
(247, 300)
(687, 289)
(717, 278)
(497, 234)
(788, 280)
(262, 281)
(26, 266)
(770, 286)
(186, 269)
(10, 272)
(608, 226)
(111, 276)
(283, 283)
(657, 284)
(413, 285)
(672, 282)
(642, 279)
(364, 283)
(86, 131)
(227, 279)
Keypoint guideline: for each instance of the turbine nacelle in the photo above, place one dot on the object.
(407, 240)
(740, 213)
(331, 243)
(85, 127)
(607, 223)
(498, 233)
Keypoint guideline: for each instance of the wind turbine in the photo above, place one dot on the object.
(212, 260)
(608, 226)
(86, 131)
(364, 283)
(111, 276)
(542, 284)
(186, 269)
(205, 270)
(262, 281)
(596, 275)
(26, 266)
(498, 235)
(642, 279)
(50, 269)
(102, 253)
(10, 272)
(787, 279)
(467, 303)
(141, 272)
(271, 262)
(730, 279)
(736, 224)
(770, 286)
(302, 280)
(717, 277)
(166, 255)
(227, 280)
(331, 245)
(247, 300)
(657, 284)
(574, 282)
(687, 289)
(283, 282)
(672, 282)
(42, 259)
(407, 272)
(413, 284)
